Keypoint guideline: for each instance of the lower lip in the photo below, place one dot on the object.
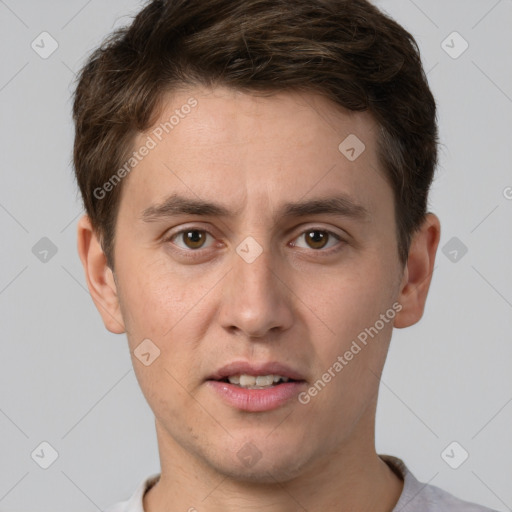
(256, 400)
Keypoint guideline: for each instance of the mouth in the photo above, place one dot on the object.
(256, 387)
(256, 382)
(256, 375)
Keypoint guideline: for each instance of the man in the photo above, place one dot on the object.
(255, 176)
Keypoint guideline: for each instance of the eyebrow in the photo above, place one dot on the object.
(175, 205)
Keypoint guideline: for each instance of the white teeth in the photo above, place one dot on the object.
(259, 382)
(247, 380)
(265, 380)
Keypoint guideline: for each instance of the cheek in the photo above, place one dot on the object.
(351, 301)
(173, 310)
(353, 351)
(155, 297)
(158, 304)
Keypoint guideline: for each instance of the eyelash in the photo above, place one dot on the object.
(192, 252)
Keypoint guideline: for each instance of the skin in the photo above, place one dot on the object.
(299, 302)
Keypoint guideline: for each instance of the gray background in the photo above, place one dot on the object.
(65, 380)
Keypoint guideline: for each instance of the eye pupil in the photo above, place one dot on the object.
(319, 240)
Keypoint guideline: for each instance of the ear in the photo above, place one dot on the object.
(99, 276)
(418, 272)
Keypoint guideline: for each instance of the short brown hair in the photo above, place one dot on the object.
(346, 50)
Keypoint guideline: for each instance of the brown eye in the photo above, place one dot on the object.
(190, 238)
(316, 239)
(194, 238)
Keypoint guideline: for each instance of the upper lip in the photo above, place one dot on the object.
(256, 369)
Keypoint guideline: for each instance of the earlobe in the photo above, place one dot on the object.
(99, 277)
(418, 272)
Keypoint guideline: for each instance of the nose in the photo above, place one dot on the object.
(256, 302)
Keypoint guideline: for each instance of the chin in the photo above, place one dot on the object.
(270, 465)
(262, 474)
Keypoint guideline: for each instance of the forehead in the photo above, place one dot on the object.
(223, 116)
(225, 144)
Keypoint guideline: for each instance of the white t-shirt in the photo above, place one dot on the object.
(415, 497)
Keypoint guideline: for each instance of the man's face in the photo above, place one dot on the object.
(197, 286)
